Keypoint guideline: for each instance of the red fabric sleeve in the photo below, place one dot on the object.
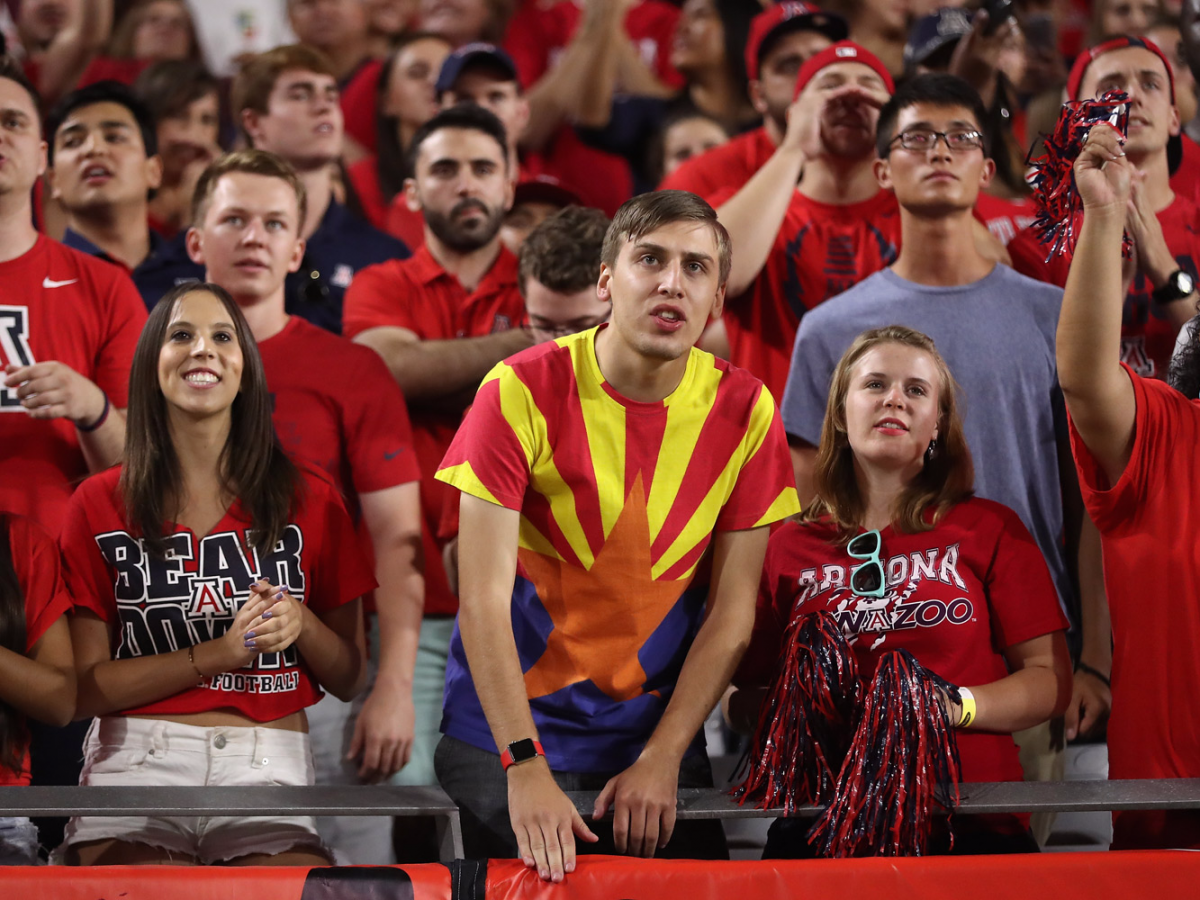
(373, 300)
(365, 180)
(379, 441)
(357, 100)
(692, 175)
(108, 68)
(766, 639)
(528, 41)
(85, 572)
(1165, 418)
(1022, 600)
(39, 572)
(126, 317)
(342, 573)
(487, 456)
(765, 476)
(1029, 258)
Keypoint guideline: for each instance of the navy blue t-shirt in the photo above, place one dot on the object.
(341, 246)
(167, 265)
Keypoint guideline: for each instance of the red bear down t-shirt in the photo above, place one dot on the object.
(160, 605)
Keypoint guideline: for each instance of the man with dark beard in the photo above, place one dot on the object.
(286, 102)
(441, 320)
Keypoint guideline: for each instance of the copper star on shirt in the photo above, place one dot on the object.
(602, 616)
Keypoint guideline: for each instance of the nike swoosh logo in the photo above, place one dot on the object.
(393, 454)
(47, 283)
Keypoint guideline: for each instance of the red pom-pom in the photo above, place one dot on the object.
(1059, 209)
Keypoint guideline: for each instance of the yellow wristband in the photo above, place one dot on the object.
(967, 701)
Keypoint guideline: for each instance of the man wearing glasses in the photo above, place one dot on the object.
(994, 327)
(557, 271)
(286, 101)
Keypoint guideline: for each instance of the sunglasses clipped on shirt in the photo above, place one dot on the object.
(867, 580)
(313, 289)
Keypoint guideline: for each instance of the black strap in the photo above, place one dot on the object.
(1084, 667)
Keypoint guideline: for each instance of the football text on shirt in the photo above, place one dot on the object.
(164, 607)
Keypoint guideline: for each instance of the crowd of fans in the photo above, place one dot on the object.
(425, 392)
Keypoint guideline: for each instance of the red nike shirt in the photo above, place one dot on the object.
(59, 304)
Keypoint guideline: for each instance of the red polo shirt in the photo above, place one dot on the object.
(419, 295)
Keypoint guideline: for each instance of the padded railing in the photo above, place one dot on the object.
(712, 803)
(980, 797)
(317, 800)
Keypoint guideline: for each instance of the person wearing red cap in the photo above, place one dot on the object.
(782, 37)
(535, 199)
(1161, 295)
(796, 248)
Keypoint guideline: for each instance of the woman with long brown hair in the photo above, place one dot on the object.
(900, 553)
(217, 588)
(37, 674)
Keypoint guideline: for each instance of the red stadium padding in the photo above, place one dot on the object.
(1062, 876)
(424, 882)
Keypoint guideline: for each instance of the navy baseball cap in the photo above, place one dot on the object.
(469, 55)
(931, 33)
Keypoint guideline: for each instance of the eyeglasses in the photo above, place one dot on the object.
(919, 140)
(562, 329)
(867, 579)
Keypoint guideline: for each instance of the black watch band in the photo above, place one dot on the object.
(1179, 284)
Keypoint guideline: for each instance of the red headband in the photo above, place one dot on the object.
(1085, 59)
(842, 51)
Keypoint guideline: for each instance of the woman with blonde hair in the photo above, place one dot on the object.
(903, 556)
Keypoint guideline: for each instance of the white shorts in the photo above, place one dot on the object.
(121, 750)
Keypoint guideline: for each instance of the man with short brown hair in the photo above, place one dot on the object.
(557, 271)
(336, 406)
(596, 471)
(286, 101)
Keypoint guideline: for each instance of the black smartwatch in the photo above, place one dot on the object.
(521, 751)
(1179, 284)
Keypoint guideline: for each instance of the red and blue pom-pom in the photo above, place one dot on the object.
(1059, 210)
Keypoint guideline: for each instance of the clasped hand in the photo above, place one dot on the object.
(270, 621)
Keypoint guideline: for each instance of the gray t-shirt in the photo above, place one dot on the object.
(997, 337)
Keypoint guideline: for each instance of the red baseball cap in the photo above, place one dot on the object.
(545, 189)
(784, 17)
(1085, 59)
(843, 51)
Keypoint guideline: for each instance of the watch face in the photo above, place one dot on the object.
(522, 750)
(1185, 283)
